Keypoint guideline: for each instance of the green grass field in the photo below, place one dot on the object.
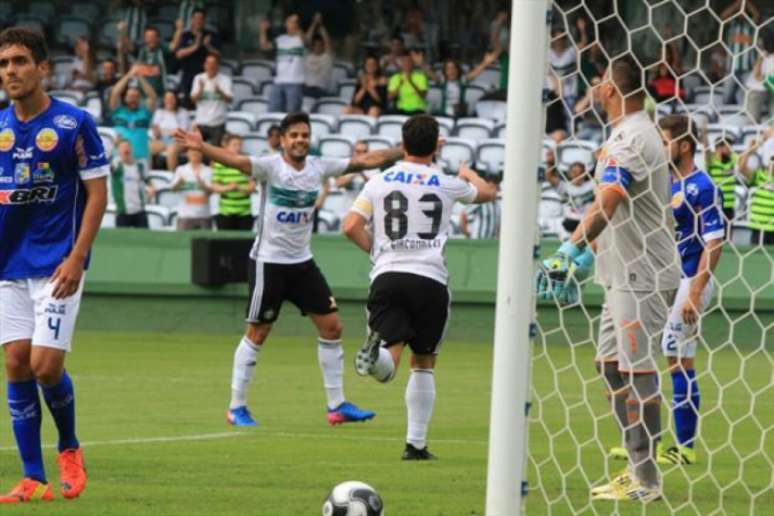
(151, 408)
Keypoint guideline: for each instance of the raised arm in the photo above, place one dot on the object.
(731, 10)
(744, 168)
(179, 27)
(316, 22)
(264, 40)
(151, 98)
(374, 159)
(118, 90)
(489, 58)
(190, 49)
(193, 140)
(487, 192)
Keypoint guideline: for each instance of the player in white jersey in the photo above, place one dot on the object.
(282, 267)
(409, 206)
(630, 226)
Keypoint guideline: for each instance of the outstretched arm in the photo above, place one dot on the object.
(194, 141)
(374, 159)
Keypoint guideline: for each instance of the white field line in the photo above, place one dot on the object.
(149, 440)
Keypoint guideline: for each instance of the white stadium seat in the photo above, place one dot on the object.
(474, 128)
(357, 126)
(391, 126)
(336, 146)
(329, 106)
(455, 151)
(490, 155)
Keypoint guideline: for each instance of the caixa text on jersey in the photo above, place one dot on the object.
(28, 195)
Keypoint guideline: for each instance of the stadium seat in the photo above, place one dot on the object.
(472, 95)
(172, 82)
(31, 21)
(329, 106)
(254, 144)
(336, 146)
(70, 28)
(715, 131)
(434, 99)
(341, 72)
(357, 126)
(240, 122)
(257, 71)
(254, 105)
(490, 155)
(322, 125)
(170, 199)
(751, 132)
(474, 128)
(377, 142)
(109, 218)
(499, 130)
(445, 125)
(108, 33)
(455, 151)
(73, 97)
(733, 115)
(489, 79)
(308, 103)
(266, 120)
(570, 151)
(391, 126)
(495, 110)
(160, 178)
(347, 90)
(159, 217)
(708, 95)
(242, 88)
(93, 104)
(44, 9)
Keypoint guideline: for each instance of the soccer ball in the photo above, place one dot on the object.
(353, 498)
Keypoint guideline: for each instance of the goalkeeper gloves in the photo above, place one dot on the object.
(559, 275)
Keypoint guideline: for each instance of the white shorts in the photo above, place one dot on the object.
(29, 312)
(679, 339)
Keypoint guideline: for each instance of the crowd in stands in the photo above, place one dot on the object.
(161, 66)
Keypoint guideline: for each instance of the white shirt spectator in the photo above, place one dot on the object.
(290, 59)
(194, 201)
(319, 70)
(167, 121)
(564, 64)
(211, 109)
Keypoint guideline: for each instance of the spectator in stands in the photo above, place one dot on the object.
(166, 120)
(195, 180)
(482, 221)
(319, 61)
(212, 94)
(286, 94)
(760, 82)
(132, 119)
(134, 21)
(415, 31)
(721, 165)
(235, 189)
(273, 140)
(499, 41)
(761, 181)
(556, 119)
(152, 58)
(130, 187)
(590, 116)
(593, 64)
(408, 88)
(563, 59)
(664, 86)
(740, 40)
(187, 9)
(84, 67)
(370, 96)
(351, 184)
(390, 62)
(454, 83)
(577, 193)
(192, 50)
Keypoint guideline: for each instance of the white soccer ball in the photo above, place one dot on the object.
(353, 498)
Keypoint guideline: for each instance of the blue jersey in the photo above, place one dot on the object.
(42, 165)
(698, 208)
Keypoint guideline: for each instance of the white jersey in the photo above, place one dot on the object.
(287, 206)
(410, 205)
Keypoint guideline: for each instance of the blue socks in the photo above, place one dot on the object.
(24, 407)
(61, 402)
(685, 405)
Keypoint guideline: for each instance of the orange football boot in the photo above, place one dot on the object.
(72, 472)
(29, 490)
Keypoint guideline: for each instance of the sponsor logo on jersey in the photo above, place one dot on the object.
(294, 217)
(692, 189)
(412, 178)
(288, 198)
(7, 139)
(65, 122)
(21, 154)
(37, 194)
(43, 173)
(21, 174)
(46, 139)
(677, 200)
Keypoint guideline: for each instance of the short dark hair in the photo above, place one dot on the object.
(420, 135)
(626, 74)
(201, 10)
(213, 54)
(28, 38)
(681, 129)
(290, 119)
(272, 128)
(153, 28)
(228, 138)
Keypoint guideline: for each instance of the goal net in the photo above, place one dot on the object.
(712, 61)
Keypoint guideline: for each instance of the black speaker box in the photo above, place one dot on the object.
(216, 261)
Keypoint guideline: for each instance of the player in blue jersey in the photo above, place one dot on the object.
(698, 208)
(53, 193)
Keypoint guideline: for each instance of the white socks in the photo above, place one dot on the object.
(245, 358)
(420, 397)
(330, 354)
(384, 368)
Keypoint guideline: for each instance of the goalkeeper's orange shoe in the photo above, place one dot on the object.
(72, 472)
(29, 490)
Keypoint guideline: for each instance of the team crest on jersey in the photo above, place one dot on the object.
(43, 173)
(7, 139)
(677, 199)
(65, 122)
(46, 139)
(691, 189)
(21, 174)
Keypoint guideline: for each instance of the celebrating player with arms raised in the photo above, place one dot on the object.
(53, 193)
(408, 302)
(283, 267)
(630, 224)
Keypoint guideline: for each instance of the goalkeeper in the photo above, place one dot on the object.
(630, 228)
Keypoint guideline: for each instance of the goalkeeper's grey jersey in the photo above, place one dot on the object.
(410, 205)
(637, 250)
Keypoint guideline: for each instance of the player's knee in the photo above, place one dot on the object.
(17, 365)
(47, 373)
(332, 330)
(257, 333)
